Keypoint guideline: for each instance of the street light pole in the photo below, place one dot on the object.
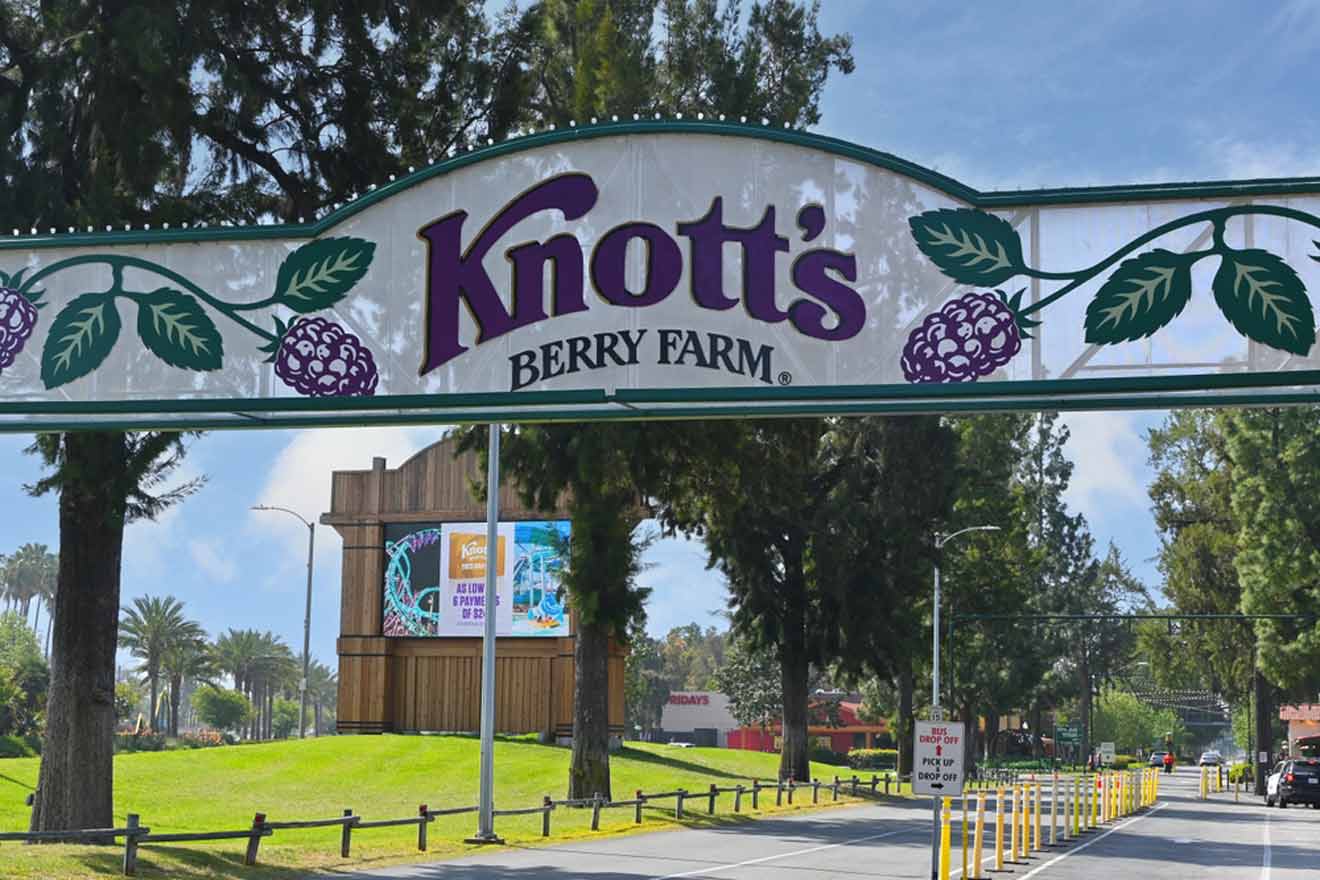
(936, 714)
(307, 616)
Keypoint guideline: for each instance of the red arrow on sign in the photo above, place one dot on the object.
(938, 751)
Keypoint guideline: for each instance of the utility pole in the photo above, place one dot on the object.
(307, 616)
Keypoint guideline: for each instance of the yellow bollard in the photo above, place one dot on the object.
(978, 838)
(1013, 816)
(946, 818)
(1025, 833)
(1094, 796)
(1035, 813)
(999, 828)
(964, 835)
(1054, 810)
(1077, 805)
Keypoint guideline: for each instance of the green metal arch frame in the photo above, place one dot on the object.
(1265, 388)
(989, 200)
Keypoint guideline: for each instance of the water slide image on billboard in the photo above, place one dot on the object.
(435, 579)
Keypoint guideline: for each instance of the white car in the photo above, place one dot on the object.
(1211, 759)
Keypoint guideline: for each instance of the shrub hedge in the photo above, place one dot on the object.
(873, 759)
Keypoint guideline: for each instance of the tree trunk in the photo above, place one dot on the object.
(176, 685)
(969, 740)
(153, 714)
(1264, 732)
(589, 771)
(905, 719)
(991, 733)
(794, 673)
(316, 718)
(75, 787)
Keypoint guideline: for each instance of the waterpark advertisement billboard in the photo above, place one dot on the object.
(642, 268)
(435, 579)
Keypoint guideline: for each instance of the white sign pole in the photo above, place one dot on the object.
(486, 805)
(936, 713)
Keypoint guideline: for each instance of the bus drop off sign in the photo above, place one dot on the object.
(938, 758)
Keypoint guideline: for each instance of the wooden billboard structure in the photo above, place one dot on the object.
(402, 684)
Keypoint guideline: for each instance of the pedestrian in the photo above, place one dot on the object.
(1168, 762)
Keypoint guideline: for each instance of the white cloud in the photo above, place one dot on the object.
(1109, 457)
(147, 543)
(1245, 159)
(211, 561)
(299, 479)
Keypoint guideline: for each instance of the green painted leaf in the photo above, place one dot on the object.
(970, 246)
(1144, 293)
(1264, 299)
(79, 339)
(320, 273)
(175, 329)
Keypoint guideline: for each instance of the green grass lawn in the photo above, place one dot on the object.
(378, 777)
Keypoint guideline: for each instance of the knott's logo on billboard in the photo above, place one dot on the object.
(825, 308)
(670, 269)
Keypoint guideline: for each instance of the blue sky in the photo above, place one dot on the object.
(1047, 94)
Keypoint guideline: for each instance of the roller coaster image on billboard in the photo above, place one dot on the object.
(435, 576)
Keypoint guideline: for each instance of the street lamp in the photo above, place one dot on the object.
(307, 615)
(936, 713)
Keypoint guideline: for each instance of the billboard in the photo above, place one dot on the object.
(435, 579)
(670, 268)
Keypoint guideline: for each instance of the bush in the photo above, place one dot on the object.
(823, 755)
(1122, 762)
(201, 739)
(284, 721)
(140, 742)
(14, 746)
(873, 759)
(1241, 773)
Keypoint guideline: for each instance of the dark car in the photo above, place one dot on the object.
(1295, 782)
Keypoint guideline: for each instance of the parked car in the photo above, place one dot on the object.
(1211, 759)
(1294, 782)
(1157, 759)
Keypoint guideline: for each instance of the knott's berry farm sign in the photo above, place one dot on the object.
(676, 268)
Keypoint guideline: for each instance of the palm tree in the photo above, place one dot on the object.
(322, 690)
(151, 628)
(261, 665)
(30, 573)
(187, 660)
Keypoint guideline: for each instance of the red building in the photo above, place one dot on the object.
(852, 734)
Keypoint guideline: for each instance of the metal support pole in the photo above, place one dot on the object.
(935, 705)
(307, 634)
(486, 805)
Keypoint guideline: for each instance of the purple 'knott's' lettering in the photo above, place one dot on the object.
(810, 276)
(455, 275)
(760, 245)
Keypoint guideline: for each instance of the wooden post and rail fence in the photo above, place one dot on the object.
(135, 835)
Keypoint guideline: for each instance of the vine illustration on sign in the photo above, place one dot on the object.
(312, 355)
(973, 335)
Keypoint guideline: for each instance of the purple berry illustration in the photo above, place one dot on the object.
(969, 337)
(18, 318)
(319, 358)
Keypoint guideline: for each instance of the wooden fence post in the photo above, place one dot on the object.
(130, 846)
(713, 792)
(345, 836)
(815, 791)
(886, 785)
(595, 813)
(547, 806)
(678, 808)
(423, 821)
(854, 785)
(737, 798)
(836, 788)
(756, 794)
(875, 780)
(637, 807)
(791, 786)
(779, 793)
(254, 840)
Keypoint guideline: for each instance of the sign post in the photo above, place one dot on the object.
(937, 768)
(486, 805)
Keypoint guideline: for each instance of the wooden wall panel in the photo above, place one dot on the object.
(435, 684)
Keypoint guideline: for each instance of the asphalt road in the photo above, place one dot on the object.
(1181, 838)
